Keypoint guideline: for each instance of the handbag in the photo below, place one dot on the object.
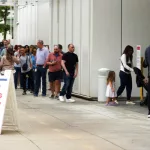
(25, 65)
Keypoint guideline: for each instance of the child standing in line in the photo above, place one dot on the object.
(110, 91)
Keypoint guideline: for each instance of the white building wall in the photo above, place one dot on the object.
(71, 24)
(106, 39)
(43, 21)
(94, 26)
(26, 30)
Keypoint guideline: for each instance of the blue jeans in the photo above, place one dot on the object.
(16, 75)
(68, 85)
(30, 79)
(40, 73)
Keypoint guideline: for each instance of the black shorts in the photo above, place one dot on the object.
(53, 76)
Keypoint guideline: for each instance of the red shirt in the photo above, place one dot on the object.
(55, 57)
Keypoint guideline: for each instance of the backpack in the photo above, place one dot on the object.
(25, 65)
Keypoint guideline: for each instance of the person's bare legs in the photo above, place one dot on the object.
(108, 100)
(57, 87)
(52, 87)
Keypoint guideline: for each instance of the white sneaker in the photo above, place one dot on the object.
(70, 100)
(61, 98)
(116, 102)
(149, 116)
(130, 103)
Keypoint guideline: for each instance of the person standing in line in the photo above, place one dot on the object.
(3, 52)
(26, 66)
(126, 67)
(17, 68)
(41, 70)
(8, 60)
(33, 59)
(54, 61)
(27, 48)
(60, 48)
(9, 43)
(1, 46)
(70, 66)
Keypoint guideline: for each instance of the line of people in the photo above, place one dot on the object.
(30, 65)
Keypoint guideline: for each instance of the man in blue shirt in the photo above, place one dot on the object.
(41, 70)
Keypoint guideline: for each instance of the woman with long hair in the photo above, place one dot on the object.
(7, 61)
(126, 67)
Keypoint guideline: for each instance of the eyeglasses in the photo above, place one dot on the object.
(72, 47)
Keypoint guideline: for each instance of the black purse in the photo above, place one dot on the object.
(25, 65)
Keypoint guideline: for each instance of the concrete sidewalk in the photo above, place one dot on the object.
(47, 124)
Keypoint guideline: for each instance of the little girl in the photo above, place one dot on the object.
(110, 91)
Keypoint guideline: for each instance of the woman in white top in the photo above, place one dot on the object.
(126, 67)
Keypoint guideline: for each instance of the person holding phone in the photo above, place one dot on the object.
(55, 69)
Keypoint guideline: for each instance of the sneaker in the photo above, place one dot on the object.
(116, 102)
(148, 115)
(130, 103)
(35, 95)
(111, 104)
(24, 93)
(61, 98)
(70, 100)
(52, 96)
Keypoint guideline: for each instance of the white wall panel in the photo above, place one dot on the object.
(62, 23)
(106, 39)
(33, 25)
(43, 21)
(95, 30)
(85, 47)
(77, 39)
(29, 27)
(55, 22)
(69, 22)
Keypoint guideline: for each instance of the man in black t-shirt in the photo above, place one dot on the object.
(70, 67)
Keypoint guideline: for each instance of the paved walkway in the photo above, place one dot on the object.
(47, 124)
